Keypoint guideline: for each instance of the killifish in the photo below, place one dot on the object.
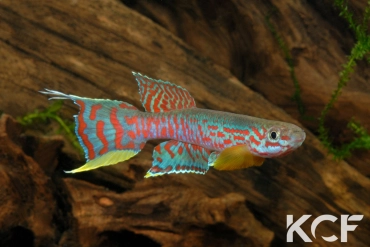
(112, 131)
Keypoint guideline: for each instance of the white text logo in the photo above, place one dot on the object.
(296, 226)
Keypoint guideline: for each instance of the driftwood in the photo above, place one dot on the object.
(89, 48)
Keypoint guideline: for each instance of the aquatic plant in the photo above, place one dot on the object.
(51, 113)
(359, 51)
(361, 141)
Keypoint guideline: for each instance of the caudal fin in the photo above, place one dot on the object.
(102, 130)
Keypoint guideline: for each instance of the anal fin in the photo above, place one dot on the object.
(178, 157)
(233, 158)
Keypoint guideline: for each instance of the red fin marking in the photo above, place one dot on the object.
(149, 99)
(131, 120)
(182, 95)
(189, 151)
(175, 98)
(206, 158)
(81, 128)
(163, 106)
(94, 109)
(131, 134)
(118, 128)
(101, 136)
(168, 96)
(156, 102)
(143, 93)
(158, 149)
(212, 134)
(167, 147)
(156, 169)
(180, 150)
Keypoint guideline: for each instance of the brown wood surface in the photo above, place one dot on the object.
(89, 48)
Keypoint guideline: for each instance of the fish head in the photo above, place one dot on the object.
(278, 139)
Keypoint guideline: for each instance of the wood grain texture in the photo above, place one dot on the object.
(89, 48)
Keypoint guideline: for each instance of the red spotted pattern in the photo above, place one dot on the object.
(167, 147)
(93, 111)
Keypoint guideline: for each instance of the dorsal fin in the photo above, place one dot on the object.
(162, 96)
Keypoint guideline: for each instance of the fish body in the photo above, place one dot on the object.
(112, 131)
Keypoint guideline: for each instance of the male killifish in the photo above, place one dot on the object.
(112, 131)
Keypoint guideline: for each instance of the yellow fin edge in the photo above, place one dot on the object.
(110, 158)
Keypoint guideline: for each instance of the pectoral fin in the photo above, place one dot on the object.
(233, 158)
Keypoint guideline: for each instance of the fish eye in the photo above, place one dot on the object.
(274, 135)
